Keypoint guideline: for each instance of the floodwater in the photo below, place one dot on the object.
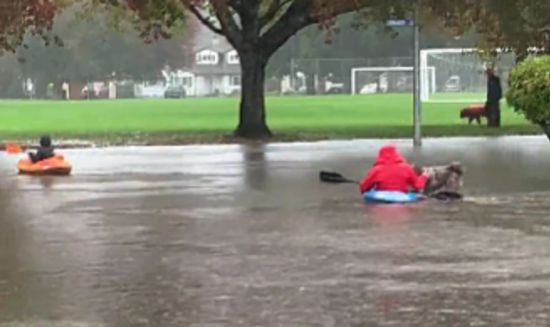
(248, 236)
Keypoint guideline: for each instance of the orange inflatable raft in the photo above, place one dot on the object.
(53, 166)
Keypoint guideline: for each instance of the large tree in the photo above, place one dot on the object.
(258, 28)
(255, 28)
(18, 17)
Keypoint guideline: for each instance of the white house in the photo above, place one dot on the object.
(216, 71)
(216, 67)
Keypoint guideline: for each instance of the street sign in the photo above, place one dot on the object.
(399, 22)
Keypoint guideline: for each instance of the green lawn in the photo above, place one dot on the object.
(319, 116)
(457, 97)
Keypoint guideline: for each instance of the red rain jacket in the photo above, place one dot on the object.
(392, 173)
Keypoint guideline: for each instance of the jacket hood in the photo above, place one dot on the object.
(45, 141)
(388, 155)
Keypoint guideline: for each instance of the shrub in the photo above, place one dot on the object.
(529, 91)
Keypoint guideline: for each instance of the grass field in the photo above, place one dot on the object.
(384, 116)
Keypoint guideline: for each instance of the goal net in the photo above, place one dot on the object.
(459, 75)
(372, 80)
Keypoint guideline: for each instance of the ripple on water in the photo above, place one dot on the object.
(47, 323)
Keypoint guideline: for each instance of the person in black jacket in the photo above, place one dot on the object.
(494, 94)
(45, 151)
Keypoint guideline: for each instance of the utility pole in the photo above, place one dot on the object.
(417, 115)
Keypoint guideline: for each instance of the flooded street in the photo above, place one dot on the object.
(248, 236)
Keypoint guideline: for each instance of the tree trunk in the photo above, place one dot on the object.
(252, 117)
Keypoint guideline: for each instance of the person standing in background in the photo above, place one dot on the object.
(65, 91)
(494, 94)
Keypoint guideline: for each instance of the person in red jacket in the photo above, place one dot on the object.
(392, 173)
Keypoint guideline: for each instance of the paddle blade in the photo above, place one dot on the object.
(334, 178)
(447, 196)
(13, 149)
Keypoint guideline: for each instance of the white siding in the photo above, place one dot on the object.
(207, 85)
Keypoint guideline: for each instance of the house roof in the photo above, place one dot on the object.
(205, 39)
(217, 48)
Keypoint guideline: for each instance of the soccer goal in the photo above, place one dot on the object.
(372, 80)
(459, 75)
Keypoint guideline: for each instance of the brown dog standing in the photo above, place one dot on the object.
(473, 112)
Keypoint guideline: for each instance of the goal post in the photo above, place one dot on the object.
(370, 80)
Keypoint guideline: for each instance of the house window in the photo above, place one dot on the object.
(232, 57)
(235, 80)
(207, 57)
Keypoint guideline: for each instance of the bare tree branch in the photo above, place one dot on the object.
(296, 17)
(204, 20)
(238, 5)
(302, 13)
(227, 21)
(274, 8)
(248, 18)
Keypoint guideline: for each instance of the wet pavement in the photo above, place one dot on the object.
(247, 236)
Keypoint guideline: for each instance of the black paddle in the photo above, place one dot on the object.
(446, 196)
(336, 178)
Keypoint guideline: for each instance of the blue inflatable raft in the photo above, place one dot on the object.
(391, 197)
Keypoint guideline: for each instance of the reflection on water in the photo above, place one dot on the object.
(243, 236)
(256, 171)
